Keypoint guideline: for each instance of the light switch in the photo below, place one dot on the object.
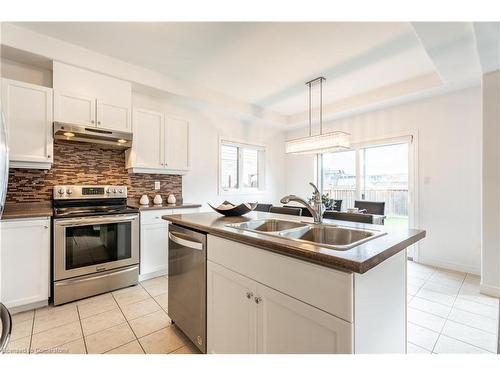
(157, 185)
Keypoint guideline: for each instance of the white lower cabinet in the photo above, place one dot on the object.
(24, 262)
(154, 250)
(154, 241)
(287, 325)
(231, 312)
(244, 316)
(259, 301)
(154, 244)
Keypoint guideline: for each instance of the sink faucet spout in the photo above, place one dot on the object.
(316, 209)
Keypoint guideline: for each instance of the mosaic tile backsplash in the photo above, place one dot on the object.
(86, 164)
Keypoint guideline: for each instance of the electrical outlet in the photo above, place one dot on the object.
(157, 185)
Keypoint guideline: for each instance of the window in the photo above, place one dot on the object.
(229, 167)
(372, 172)
(339, 176)
(241, 167)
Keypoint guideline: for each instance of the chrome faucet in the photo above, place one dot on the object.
(316, 210)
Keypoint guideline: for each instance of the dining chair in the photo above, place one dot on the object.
(305, 211)
(263, 207)
(286, 210)
(347, 216)
(337, 205)
(371, 207)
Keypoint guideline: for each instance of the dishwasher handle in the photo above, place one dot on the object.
(187, 241)
(6, 327)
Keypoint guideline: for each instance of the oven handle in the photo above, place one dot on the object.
(100, 276)
(95, 221)
(181, 241)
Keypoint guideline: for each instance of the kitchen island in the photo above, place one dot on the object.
(270, 293)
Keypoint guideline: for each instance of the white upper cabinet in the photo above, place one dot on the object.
(160, 145)
(147, 146)
(28, 113)
(112, 116)
(74, 108)
(91, 99)
(177, 144)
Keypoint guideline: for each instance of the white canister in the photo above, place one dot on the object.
(144, 200)
(171, 199)
(157, 199)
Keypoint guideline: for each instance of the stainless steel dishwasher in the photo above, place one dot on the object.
(187, 283)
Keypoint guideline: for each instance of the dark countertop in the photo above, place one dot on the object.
(164, 205)
(38, 209)
(26, 210)
(358, 259)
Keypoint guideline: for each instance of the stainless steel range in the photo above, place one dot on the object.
(96, 241)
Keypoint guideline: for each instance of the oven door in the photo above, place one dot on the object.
(87, 245)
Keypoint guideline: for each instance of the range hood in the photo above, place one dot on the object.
(79, 133)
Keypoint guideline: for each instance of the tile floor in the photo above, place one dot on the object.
(133, 320)
(447, 314)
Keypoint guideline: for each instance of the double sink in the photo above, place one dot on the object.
(326, 235)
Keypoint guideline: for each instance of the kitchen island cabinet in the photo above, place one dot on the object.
(271, 294)
(261, 302)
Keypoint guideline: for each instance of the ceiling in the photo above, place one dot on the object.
(264, 63)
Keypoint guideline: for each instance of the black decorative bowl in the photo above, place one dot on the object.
(239, 210)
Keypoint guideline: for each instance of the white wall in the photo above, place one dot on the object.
(211, 114)
(200, 185)
(449, 170)
(54, 49)
(490, 265)
(26, 73)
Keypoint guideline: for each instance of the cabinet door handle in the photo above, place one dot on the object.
(46, 226)
(98, 123)
(258, 300)
(48, 156)
(92, 121)
(249, 295)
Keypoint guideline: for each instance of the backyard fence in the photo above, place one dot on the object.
(396, 200)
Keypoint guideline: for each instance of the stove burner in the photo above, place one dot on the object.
(92, 211)
(79, 201)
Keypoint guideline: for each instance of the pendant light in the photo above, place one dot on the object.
(315, 144)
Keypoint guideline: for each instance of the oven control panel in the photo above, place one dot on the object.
(89, 192)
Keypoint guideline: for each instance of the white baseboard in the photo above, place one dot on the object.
(493, 291)
(450, 265)
(29, 306)
(152, 275)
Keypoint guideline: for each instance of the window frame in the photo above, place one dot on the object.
(241, 145)
(358, 148)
